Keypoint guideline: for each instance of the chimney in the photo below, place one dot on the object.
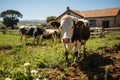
(68, 8)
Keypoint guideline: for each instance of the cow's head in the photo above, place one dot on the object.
(54, 24)
(68, 25)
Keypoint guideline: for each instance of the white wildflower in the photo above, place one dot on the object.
(26, 64)
(34, 72)
(8, 79)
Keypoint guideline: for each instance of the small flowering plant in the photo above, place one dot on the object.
(27, 70)
(26, 67)
(34, 72)
(8, 79)
(26, 64)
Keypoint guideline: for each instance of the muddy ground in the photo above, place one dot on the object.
(103, 65)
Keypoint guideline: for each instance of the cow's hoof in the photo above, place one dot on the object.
(74, 64)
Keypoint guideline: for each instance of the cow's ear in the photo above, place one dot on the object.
(79, 23)
(55, 24)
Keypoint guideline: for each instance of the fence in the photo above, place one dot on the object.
(115, 30)
(100, 31)
(95, 31)
(9, 31)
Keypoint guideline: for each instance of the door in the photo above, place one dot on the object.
(105, 24)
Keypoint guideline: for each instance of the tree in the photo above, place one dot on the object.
(10, 18)
(50, 18)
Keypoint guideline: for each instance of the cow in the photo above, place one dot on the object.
(51, 34)
(29, 31)
(75, 32)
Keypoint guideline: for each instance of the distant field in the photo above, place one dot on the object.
(14, 53)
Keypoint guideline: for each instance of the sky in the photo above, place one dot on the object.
(41, 9)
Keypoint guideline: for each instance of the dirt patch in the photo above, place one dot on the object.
(95, 66)
(7, 47)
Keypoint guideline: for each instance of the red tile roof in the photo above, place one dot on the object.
(98, 13)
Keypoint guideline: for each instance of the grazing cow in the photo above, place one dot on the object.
(75, 33)
(51, 33)
(31, 32)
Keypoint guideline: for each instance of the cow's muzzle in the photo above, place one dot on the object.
(66, 40)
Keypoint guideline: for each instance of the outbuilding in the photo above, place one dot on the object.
(98, 18)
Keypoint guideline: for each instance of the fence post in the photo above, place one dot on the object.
(102, 32)
(4, 31)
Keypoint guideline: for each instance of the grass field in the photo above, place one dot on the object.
(15, 53)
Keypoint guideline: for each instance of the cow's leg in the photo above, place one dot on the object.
(37, 39)
(66, 56)
(66, 52)
(67, 47)
(25, 38)
(41, 39)
(77, 51)
(83, 42)
(21, 37)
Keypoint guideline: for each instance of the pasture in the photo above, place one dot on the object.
(48, 59)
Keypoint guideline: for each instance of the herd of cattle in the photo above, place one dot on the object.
(73, 32)
(38, 33)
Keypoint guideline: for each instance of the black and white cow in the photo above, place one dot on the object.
(75, 32)
(34, 32)
(51, 34)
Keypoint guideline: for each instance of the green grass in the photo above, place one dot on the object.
(46, 54)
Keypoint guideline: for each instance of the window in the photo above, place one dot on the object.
(68, 13)
(93, 23)
(105, 24)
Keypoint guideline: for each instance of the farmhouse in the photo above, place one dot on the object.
(98, 18)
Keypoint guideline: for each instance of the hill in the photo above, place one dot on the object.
(33, 22)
